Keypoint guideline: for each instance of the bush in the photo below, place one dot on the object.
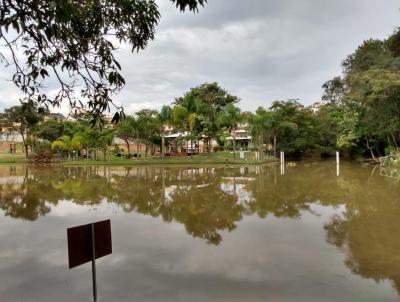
(42, 147)
(218, 149)
(117, 151)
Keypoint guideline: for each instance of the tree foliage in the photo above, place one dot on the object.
(74, 43)
(21, 120)
(368, 98)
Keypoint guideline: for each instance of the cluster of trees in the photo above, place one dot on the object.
(74, 44)
(207, 113)
(201, 114)
(364, 101)
(359, 114)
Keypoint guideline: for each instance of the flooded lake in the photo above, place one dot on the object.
(199, 234)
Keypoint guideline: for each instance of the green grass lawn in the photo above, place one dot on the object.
(212, 158)
(12, 158)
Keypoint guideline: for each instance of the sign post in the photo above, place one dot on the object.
(94, 263)
(87, 243)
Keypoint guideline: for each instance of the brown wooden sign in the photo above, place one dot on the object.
(81, 240)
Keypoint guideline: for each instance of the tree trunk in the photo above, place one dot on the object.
(128, 146)
(395, 142)
(262, 147)
(370, 149)
(234, 144)
(26, 150)
(25, 145)
(274, 138)
(162, 143)
(191, 147)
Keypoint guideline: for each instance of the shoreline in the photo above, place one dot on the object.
(144, 162)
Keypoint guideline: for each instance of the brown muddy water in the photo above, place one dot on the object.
(204, 234)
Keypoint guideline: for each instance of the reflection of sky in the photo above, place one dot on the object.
(155, 261)
(272, 259)
(239, 190)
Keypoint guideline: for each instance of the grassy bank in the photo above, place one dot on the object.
(12, 159)
(213, 158)
(207, 159)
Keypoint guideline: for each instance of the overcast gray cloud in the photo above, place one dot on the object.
(260, 50)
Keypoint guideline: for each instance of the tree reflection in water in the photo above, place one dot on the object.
(209, 201)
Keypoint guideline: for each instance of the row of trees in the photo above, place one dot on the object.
(359, 113)
(205, 113)
(201, 114)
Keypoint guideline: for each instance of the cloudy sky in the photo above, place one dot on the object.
(259, 50)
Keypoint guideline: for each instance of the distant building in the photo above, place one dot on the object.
(242, 137)
(317, 106)
(54, 116)
(10, 142)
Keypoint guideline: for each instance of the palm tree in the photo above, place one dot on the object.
(259, 127)
(164, 117)
(231, 118)
(68, 144)
(191, 122)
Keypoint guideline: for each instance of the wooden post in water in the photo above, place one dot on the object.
(282, 163)
(337, 163)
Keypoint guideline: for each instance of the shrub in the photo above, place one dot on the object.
(117, 151)
(218, 148)
(41, 147)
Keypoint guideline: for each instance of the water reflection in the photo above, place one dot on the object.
(193, 197)
(210, 202)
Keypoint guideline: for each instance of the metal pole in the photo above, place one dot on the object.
(94, 265)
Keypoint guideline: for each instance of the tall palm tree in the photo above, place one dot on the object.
(231, 118)
(164, 117)
(259, 127)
